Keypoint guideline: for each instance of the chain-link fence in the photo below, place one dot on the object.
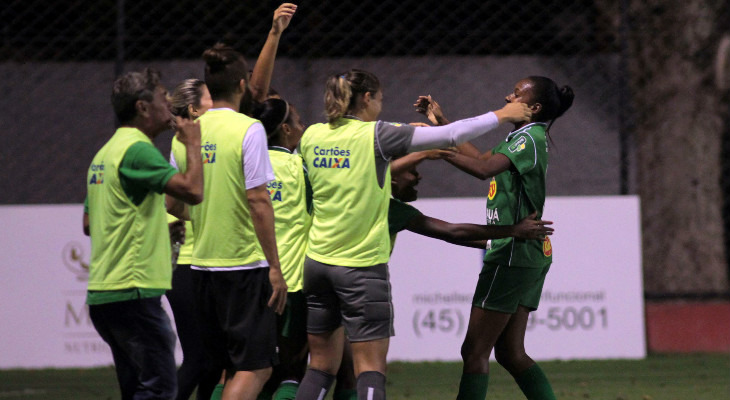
(58, 60)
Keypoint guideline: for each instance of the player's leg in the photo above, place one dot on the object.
(482, 333)
(510, 354)
(293, 349)
(325, 355)
(367, 312)
(249, 325)
(245, 385)
(369, 359)
(493, 304)
(346, 387)
(325, 331)
(510, 351)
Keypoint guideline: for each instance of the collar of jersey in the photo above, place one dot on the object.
(524, 128)
(281, 149)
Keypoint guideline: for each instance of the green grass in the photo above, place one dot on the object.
(659, 377)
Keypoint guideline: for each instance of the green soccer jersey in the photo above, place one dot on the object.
(515, 194)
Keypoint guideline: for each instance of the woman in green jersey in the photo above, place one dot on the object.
(291, 199)
(346, 272)
(511, 280)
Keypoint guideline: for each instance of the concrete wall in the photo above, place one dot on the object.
(56, 116)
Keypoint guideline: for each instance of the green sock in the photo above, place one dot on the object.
(287, 391)
(473, 387)
(217, 392)
(534, 384)
(346, 394)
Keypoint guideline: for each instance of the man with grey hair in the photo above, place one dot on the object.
(125, 216)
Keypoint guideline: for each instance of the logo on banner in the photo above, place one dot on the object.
(73, 258)
(492, 189)
(547, 247)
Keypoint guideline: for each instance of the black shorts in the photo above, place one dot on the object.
(238, 327)
(357, 297)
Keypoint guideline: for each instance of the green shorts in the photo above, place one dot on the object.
(292, 323)
(501, 288)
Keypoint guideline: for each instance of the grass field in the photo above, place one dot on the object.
(659, 377)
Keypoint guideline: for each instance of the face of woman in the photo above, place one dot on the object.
(522, 93)
(206, 102)
(374, 106)
(295, 130)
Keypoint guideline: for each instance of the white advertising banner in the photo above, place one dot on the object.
(592, 304)
(44, 260)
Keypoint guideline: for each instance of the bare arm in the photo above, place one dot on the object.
(264, 68)
(528, 228)
(482, 168)
(86, 224)
(413, 159)
(262, 215)
(188, 186)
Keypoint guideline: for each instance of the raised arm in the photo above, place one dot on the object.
(264, 68)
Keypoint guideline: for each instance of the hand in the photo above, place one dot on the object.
(514, 112)
(440, 154)
(431, 109)
(532, 228)
(188, 132)
(177, 231)
(278, 295)
(282, 17)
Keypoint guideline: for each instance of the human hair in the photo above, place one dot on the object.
(188, 92)
(555, 101)
(273, 113)
(224, 70)
(342, 90)
(131, 87)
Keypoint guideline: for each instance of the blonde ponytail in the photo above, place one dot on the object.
(337, 96)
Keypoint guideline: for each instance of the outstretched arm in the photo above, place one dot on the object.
(485, 167)
(529, 228)
(264, 68)
(413, 159)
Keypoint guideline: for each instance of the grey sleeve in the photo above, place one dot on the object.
(391, 140)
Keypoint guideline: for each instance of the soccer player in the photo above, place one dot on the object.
(345, 272)
(511, 280)
(291, 199)
(130, 265)
(190, 100)
(236, 270)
